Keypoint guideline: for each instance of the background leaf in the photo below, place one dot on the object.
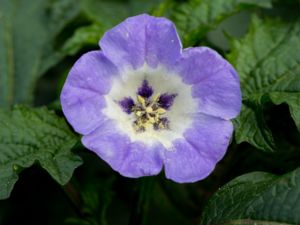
(27, 41)
(84, 36)
(254, 128)
(268, 63)
(102, 15)
(29, 135)
(256, 198)
(195, 18)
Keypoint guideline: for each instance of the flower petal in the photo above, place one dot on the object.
(82, 95)
(195, 157)
(141, 39)
(215, 83)
(131, 159)
(162, 43)
(142, 160)
(186, 164)
(210, 136)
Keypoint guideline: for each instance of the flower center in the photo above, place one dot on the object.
(150, 111)
(149, 114)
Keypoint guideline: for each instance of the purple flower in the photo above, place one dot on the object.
(142, 102)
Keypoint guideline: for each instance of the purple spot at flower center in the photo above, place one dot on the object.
(149, 111)
(145, 90)
(166, 100)
(127, 104)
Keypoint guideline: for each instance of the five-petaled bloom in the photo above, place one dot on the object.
(143, 103)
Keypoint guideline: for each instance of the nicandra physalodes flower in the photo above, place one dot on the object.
(143, 103)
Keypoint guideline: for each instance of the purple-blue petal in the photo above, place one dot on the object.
(194, 157)
(163, 45)
(145, 90)
(108, 144)
(131, 159)
(142, 39)
(125, 43)
(142, 160)
(209, 135)
(185, 164)
(215, 84)
(82, 108)
(82, 95)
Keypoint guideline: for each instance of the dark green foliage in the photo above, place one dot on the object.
(27, 41)
(34, 135)
(267, 60)
(256, 198)
(194, 18)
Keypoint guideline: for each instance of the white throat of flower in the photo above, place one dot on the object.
(180, 114)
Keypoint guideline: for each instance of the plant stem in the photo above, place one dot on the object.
(73, 197)
(142, 201)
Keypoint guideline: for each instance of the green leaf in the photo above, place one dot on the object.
(293, 101)
(84, 36)
(261, 3)
(106, 12)
(143, 6)
(256, 198)
(195, 18)
(112, 13)
(253, 126)
(30, 135)
(268, 63)
(27, 35)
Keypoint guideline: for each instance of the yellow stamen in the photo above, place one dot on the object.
(161, 111)
(149, 110)
(141, 100)
(156, 98)
(148, 114)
